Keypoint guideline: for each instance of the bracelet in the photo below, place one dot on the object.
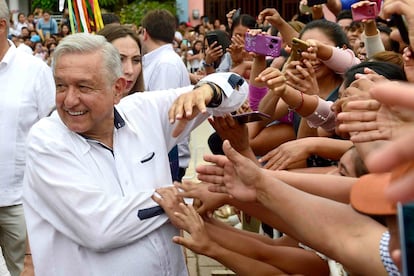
(28, 254)
(300, 105)
(217, 96)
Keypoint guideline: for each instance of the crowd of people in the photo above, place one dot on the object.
(92, 173)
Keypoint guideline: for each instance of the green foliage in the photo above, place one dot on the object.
(46, 5)
(108, 3)
(134, 12)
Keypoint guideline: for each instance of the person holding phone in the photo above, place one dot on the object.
(230, 56)
(195, 55)
(215, 46)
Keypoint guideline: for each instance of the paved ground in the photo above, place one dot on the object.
(199, 265)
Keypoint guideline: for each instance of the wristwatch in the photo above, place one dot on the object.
(217, 93)
(207, 64)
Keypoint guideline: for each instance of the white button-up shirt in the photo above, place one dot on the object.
(27, 92)
(81, 199)
(163, 68)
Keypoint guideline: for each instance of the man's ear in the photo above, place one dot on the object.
(119, 89)
(145, 35)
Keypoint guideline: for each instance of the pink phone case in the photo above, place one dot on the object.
(263, 44)
(365, 12)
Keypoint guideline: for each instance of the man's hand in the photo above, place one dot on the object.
(189, 105)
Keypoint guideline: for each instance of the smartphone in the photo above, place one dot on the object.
(250, 117)
(367, 11)
(211, 37)
(236, 14)
(298, 46)
(312, 3)
(263, 44)
(406, 229)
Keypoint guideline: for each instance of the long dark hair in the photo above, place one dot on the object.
(195, 51)
(330, 29)
(112, 32)
(245, 20)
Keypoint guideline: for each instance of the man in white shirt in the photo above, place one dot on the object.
(93, 166)
(163, 69)
(27, 94)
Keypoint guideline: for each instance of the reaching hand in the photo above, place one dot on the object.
(285, 155)
(273, 79)
(368, 120)
(228, 129)
(189, 105)
(207, 201)
(169, 201)
(233, 174)
(199, 240)
(270, 15)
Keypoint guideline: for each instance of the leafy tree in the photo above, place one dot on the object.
(46, 5)
(130, 11)
(134, 12)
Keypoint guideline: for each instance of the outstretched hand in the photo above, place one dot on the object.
(229, 129)
(199, 240)
(204, 200)
(189, 105)
(233, 174)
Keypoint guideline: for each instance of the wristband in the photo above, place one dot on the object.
(217, 96)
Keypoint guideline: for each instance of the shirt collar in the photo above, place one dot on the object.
(11, 52)
(118, 120)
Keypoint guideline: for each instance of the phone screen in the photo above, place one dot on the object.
(406, 228)
(250, 117)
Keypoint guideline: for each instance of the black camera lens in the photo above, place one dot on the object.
(271, 46)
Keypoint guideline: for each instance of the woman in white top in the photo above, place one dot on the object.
(195, 56)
